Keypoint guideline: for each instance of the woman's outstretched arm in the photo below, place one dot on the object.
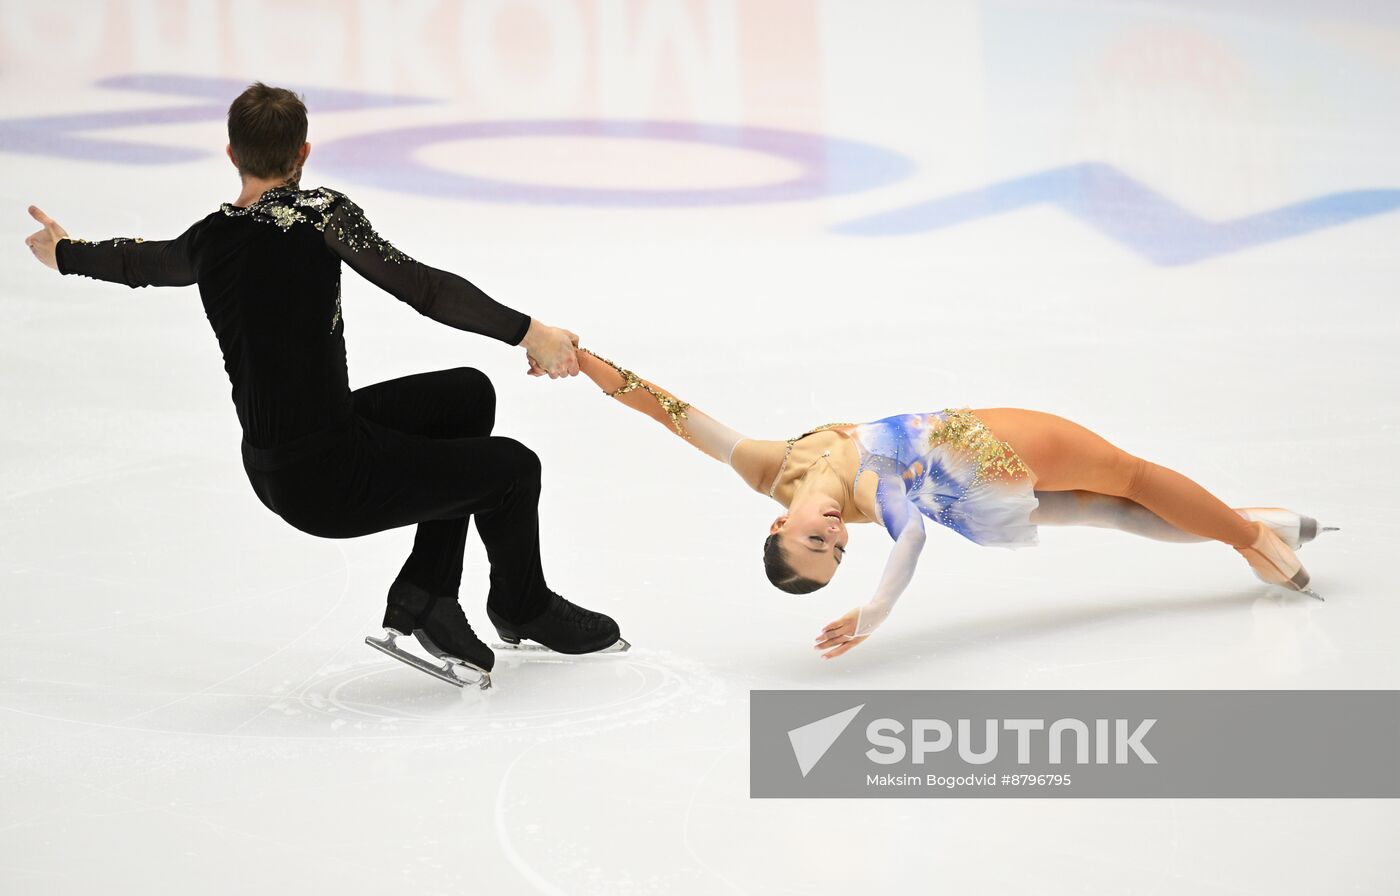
(902, 521)
(690, 423)
(755, 460)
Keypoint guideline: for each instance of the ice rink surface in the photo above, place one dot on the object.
(1172, 222)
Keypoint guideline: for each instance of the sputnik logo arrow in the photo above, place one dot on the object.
(811, 741)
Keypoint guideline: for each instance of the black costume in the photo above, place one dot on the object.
(337, 463)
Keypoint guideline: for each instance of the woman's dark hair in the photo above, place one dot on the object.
(780, 571)
(266, 127)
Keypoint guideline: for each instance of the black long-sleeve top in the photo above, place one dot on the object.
(269, 278)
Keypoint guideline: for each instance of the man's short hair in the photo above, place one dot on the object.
(266, 128)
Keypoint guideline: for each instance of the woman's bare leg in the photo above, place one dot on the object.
(1066, 456)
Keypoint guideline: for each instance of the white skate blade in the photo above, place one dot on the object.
(620, 646)
(444, 672)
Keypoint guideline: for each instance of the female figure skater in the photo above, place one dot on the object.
(991, 474)
(337, 463)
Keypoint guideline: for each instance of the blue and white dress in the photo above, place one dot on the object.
(949, 466)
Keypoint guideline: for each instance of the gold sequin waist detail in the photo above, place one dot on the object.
(964, 431)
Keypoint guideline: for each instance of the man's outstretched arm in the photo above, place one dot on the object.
(442, 295)
(134, 262)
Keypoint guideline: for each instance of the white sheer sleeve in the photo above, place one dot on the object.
(711, 436)
(899, 571)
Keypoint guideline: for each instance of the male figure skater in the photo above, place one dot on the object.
(341, 464)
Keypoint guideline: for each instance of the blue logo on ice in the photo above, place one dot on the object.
(811, 741)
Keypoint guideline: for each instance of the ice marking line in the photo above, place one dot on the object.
(183, 754)
(226, 830)
(503, 836)
(294, 693)
(175, 614)
(138, 466)
(1128, 212)
(345, 589)
(62, 136)
(227, 695)
(689, 810)
(668, 690)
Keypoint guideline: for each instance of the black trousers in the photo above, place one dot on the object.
(419, 450)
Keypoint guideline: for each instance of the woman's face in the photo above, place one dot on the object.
(813, 537)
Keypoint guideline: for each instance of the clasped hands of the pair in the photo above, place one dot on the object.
(550, 350)
(840, 636)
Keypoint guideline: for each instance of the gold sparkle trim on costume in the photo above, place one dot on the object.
(282, 207)
(336, 318)
(674, 408)
(353, 229)
(115, 241)
(284, 216)
(964, 431)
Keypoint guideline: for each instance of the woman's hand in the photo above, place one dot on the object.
(839, 636)
(43, 243)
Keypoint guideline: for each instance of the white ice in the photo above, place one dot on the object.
(186, 702)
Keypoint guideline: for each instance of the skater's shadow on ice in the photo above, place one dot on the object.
(924, 647)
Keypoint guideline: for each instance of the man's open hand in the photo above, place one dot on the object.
(43, 243)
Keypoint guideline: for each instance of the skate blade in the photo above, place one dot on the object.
(444, 672)
(620, 646)
(1308, 529)
(1294, 590)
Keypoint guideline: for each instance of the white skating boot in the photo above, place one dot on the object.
(1274, 562)
(1294, 529)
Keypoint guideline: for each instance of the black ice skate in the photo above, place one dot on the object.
(441, 628)
(563, 627)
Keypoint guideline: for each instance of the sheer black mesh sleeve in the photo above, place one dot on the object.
(439, 295)
(132, 261)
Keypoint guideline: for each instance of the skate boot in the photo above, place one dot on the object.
(563, 627)
(1294, 529)
(441, 627)
(1274, 562)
